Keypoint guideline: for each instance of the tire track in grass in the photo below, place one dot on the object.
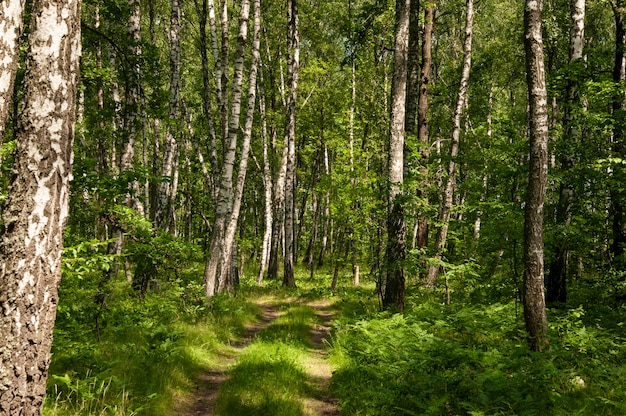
(317, 366)
(207, 385)
(290, 346)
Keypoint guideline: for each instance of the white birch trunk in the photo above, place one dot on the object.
(446, 206)
(290, 132)
(165, 206)
(229, 238)
(393, 294)
(11, 12)
(213, 269)
(267, 186)
(37, 206)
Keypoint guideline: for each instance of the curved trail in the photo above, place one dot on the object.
(316, 365)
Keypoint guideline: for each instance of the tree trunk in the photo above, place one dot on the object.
(214, 270)
(267, 185)
(422, 122)
(37, 206)
(557, 276)
(11, 12)
(619, 138)
(165, 207)
(229, 237)
(393, 296)
(203, 14)
(534, 302)
(132, 124)
(293, 41)
(446, 205)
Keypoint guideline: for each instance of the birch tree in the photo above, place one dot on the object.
(455, 138)
(557, 277)
(11, 12)
(165, 207)
(293, 46)
(421, 234)
(37, 207)
(393, 295)
(534, 301)
(215, 271)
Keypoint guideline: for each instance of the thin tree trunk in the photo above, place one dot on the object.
(534, 302)
(37, 206)
(132, 122)
(11, 12)
(293, 41)
(214, 271)
(279, 216)
(422, 122)
(231, 229)
(165, 207)
(393, 296)
(267, 185)
(557, 276)
(446, 206)
(203, 14)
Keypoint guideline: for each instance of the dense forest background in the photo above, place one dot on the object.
(226, 145)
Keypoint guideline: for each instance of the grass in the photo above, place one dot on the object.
(467, 358)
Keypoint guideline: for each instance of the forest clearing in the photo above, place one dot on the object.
(306, 207)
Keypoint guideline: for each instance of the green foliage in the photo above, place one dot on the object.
(116, 353)
(464, 359)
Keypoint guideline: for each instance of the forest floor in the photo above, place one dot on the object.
(317, 400)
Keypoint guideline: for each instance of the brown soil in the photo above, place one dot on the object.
(203, 401)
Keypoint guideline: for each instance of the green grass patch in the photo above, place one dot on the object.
(269, 377)
(137, 355)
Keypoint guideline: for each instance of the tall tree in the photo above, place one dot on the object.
(557, 276)
(11, 12)
(619, 133)
(216, 271)
(393, 295)
(455, 139)
(165, 207)
(37, 207)
(534, 301)
(421, 234)
(132, 121)
(293, 47)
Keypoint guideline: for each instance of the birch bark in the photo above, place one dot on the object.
(534, 301)
(37, 207)
(214, 271)
(293, 46)
(446, 206)
(393, 295)
(165, 208)
(11, 12)
(422, 122)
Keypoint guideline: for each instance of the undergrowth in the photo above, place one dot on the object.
(473, 359)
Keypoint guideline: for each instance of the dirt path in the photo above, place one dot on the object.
(316, 365)
(207, 386)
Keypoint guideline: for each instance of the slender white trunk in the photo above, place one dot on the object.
(267, 185)
(213, 269)
(229, 238)
(446, 206)
(534, 301)
(165, 207)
